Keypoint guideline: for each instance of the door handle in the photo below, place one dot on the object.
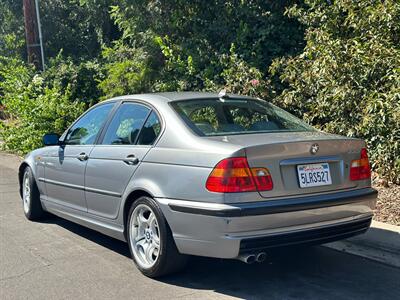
(82, 156)
(131, 160)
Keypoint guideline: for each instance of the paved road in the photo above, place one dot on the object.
(57, 259)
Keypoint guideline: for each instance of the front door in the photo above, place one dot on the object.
(66, 164)
(112, 162)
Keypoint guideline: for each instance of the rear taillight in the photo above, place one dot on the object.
(263, 179)
(233, 175)
(359, 168)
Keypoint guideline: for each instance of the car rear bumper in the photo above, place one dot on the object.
(227, 230)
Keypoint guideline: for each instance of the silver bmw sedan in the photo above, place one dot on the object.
(217, 175)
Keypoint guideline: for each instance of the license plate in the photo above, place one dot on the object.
(314, 175)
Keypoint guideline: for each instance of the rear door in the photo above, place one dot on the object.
(129, 136)
(65, 165)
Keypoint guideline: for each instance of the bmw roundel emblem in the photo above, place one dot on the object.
(314, 148)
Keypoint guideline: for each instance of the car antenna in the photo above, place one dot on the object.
(222, 95)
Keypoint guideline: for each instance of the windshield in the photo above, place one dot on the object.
(213, 117)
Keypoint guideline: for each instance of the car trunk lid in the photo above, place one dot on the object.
(283, 153)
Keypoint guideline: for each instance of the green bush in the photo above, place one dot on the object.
(127, 71)
(181, 45)
(34, 107)
(80, 78)
(240, 78)
(347, 80)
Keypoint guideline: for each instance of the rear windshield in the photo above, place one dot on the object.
(212, 117)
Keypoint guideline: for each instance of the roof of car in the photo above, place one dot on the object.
(174, 96)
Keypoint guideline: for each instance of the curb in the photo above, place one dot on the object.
(381, 243)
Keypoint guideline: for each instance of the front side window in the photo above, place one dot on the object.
(85, 130)
(212, 117)
(126, 124)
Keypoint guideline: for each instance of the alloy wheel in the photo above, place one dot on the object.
(144, 236)
(26, 194)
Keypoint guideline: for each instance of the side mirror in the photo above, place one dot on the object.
(51, 139)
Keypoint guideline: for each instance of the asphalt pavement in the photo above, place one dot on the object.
(57, 259)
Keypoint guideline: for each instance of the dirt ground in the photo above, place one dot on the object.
(388, 205)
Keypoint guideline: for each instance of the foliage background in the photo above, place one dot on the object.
(334, 63)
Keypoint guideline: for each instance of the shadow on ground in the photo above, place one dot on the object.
(89, 234)
(296, 273)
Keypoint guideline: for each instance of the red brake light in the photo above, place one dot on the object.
(359, 168)
(233, 175)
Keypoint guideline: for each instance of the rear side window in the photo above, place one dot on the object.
(212, 117)
(150, 130)
(126, 124)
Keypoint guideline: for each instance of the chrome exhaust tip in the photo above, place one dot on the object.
(261, 257)
(247, 258)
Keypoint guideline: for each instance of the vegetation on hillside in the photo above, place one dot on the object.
(334, 63)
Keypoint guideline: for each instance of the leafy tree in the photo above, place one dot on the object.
(184, 42)
(12, 29)
(347, 80)
(202, 29)
(334, 63)
(80, 78)
(77, 27)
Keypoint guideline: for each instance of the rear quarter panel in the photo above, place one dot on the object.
(178, 174)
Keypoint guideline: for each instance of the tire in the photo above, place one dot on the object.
(31, 197)
(152, 235)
